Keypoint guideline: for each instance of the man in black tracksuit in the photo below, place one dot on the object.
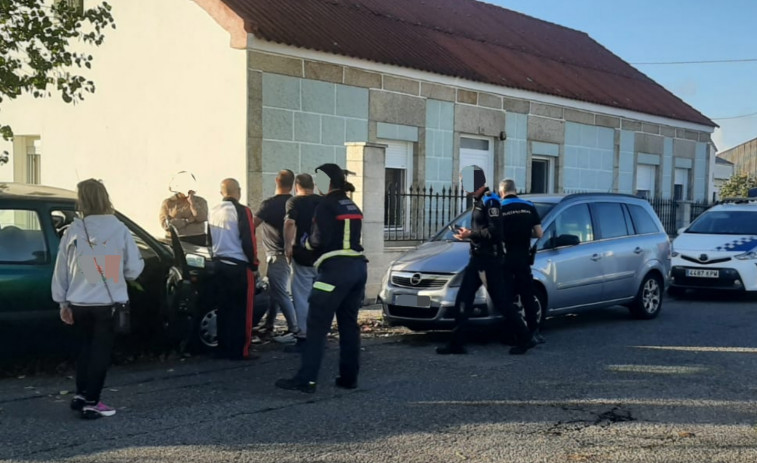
(486, 256)
(232, 231)
(339, 288)
(520, 222)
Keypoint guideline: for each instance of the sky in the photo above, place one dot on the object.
(653, 31)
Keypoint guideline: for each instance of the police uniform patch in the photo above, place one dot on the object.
(493, 212)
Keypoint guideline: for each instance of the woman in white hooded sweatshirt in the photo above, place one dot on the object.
(95, 251)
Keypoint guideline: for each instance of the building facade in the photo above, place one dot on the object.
(743, 157)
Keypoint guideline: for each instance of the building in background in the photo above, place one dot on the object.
(743, 157)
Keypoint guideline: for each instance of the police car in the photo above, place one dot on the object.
(718, 250)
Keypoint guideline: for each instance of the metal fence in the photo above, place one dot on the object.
(418, 213)
(666, 210)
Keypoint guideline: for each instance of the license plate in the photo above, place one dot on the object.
(701, 273)
(408, 300)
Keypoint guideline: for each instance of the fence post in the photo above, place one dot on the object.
(683, 215)
(367, 161)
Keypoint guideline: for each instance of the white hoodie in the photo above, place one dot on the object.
(76, 279)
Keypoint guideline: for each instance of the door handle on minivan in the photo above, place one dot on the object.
(638, 250)
(596, 257)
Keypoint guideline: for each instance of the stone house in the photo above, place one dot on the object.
(245, 88)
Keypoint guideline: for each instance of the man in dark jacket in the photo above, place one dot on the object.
(521, 222)
(232, 232)
(339, 288)
(487, 259)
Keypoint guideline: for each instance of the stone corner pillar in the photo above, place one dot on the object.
(367, 161)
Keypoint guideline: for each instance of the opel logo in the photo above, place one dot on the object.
(415, 280)
(703, 257)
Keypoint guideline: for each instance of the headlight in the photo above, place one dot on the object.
(456, 281)
(196, 261)
(747, 255)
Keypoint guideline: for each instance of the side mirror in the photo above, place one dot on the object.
(681, 230)
(567, 240)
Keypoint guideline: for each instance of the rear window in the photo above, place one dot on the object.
(611, 220)
(642, 220)
(725, 223)
(21, 238)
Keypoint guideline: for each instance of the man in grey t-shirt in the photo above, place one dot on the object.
(270, 219)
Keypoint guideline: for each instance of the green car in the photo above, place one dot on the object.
(32, 221)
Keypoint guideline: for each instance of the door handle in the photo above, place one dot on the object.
(638, 250)
(596, 257)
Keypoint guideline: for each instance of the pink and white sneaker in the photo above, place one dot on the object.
(92, 411)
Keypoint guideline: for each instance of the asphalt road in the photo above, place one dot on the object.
(605, 388)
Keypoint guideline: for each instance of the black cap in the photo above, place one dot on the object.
(335, 173)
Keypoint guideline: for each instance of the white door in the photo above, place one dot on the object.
(480, 152)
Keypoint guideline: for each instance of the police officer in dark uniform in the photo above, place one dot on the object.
(487, 258)
(339, 287)
(521, 222)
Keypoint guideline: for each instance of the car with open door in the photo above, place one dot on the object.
(33, 219)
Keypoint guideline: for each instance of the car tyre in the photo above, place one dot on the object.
(648, 301)
(205, 332)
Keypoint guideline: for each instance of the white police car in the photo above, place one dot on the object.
(718, 250)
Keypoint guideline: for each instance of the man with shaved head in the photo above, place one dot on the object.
(232, 231)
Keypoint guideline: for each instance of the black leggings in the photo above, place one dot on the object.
(94, 327)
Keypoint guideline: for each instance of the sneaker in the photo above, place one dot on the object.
(288, 338)
(451, 349)
(256, 340)
(345, 383)
(295, 384)
(77, 403)
(539, 338)
(92, 411)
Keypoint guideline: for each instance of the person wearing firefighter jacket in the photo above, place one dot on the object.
(339, 288)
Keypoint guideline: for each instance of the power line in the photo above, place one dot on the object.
(744, 60)
(733, 117)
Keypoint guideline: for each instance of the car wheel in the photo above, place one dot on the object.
(541, 300)
(206, 330)
(676, 291)
(648, 302)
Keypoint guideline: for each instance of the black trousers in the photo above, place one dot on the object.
(339, 289)
(94, 328)
(234, 290)
(500, 291)
(519, 270)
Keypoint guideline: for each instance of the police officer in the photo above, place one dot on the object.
(339, 287)
(487, 258)
(521, 222)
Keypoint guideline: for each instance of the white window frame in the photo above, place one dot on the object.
(646, 182)
(681, 177)
(397, 161)
(550, 171)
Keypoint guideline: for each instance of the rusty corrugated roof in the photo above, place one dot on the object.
(468, 39)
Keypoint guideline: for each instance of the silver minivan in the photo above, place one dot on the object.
(598, 250)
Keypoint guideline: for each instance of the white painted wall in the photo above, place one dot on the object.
(171, 95)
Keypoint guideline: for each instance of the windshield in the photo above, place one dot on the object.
(726, 223)
(463, 221)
